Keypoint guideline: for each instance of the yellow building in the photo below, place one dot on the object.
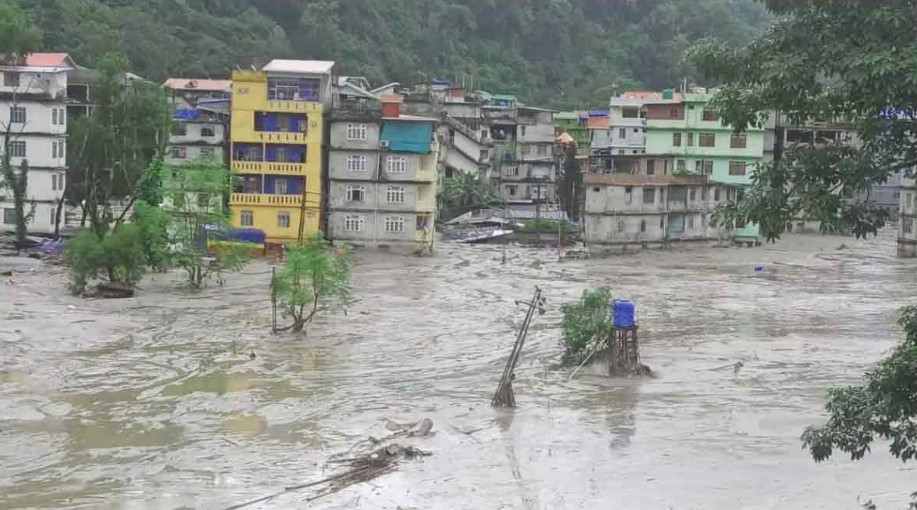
(276, 148)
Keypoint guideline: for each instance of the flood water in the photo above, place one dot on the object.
(155, 403)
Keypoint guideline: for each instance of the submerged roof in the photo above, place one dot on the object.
(198, 84)
(299, 66)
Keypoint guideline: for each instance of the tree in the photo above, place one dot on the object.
(194, 195)
(846, 60)
(464, 192)
(585, 324)
(117, 257)
(315, 277)
(883, 408)
(571, 187)
(116, 151)
(18, 37)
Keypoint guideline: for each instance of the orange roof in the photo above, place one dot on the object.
(48, 60)
(197, 84)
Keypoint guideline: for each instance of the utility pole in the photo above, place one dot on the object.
(505, 396)
(538, 212)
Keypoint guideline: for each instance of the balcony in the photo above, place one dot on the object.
(294, 106)
(281, 137)
(268, 167)
(265, 200)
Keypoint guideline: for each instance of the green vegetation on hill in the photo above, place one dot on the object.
(563, 53)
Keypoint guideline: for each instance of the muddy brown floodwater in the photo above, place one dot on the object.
(154, 402)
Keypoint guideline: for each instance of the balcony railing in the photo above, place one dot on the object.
(277, 136)
(262, 199)
(268, 167)
(295, 106)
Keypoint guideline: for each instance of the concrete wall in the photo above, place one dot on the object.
(337, 165)
(193, 134)
(39, 117)
(338, 136)
(193, 152)
(45, 81)
(374, 228)
(41, 223)
(39, 151)
(416, 196)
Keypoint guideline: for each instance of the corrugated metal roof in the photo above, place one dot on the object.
(299, 66)
(198, 84)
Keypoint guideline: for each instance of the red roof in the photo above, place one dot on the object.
(392, 98)
(198, 84)
(48, 60)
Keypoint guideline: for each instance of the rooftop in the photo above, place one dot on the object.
(198, 84)
(49, 60)
(299, 66)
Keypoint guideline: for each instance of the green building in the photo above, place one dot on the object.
(685, 135)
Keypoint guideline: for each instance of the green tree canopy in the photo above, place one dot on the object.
(851, 61)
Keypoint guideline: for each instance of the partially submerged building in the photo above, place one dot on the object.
(33, 110)
(382, 170)
(277, 136)
(201, 114)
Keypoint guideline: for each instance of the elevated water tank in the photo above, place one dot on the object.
(625, 314)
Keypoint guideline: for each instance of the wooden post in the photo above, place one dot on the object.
(273, 302)
(504, 396)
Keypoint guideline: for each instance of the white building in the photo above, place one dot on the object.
(33, 109)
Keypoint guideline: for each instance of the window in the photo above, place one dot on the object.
(622, 133)
(674, 113)
(621, 152)
(662, 222)
(511, 190)
(54, 149)
(642, 225)
(680, 165)
(543, 150)
(206, 151)
(708, 167)
(281, 155)
(356, 163)
(738, 141)
(356, 131)
(246, 218)
(9, 216)
(394, 194)
(676, 139)
(17, 149)
(511, 171)
(356, 193)
(17, 115)
(53, 216)
(283, 219)
(179, 152)
(525, 149)
(716, 194)
(280, 187)
(736, 168)
(710, 114)
(628, 195)
(394, 224)
(620, 225)
(396, 164)
(485, 154)
(283, 90)
(706, 140)
(691, 222)
(908, 198)
(630, 113)
(649, 195)
(354, 223)
(636, 130)
(423, 222)
(906, 225)
(57, 182)
(53, 116)
(10, 79)
(203, 200)
(179, 129)
(596, 189)
(522, 130)
(690, 139)
(207, 132)
(62, 117)
(651, 167)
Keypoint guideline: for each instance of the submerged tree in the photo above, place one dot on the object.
(194, 195)
(586, 324)
(315, 277)
(464, 192)
(116, 258)
(846, 60)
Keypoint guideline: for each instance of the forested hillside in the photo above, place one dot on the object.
(556, 52)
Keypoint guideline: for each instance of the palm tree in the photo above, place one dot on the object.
(464, 192)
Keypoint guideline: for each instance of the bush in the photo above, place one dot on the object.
(117, 257)
(585, 323)
(547, 226)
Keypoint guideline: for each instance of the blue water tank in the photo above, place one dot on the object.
(625, 314)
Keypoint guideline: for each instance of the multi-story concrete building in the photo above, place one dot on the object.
(522, 164)
(201, 112)
(686, 137)
(277, 134)
(33, 110)
(907, 216)
(382, 170)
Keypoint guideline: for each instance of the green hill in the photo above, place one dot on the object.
(562, 53)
